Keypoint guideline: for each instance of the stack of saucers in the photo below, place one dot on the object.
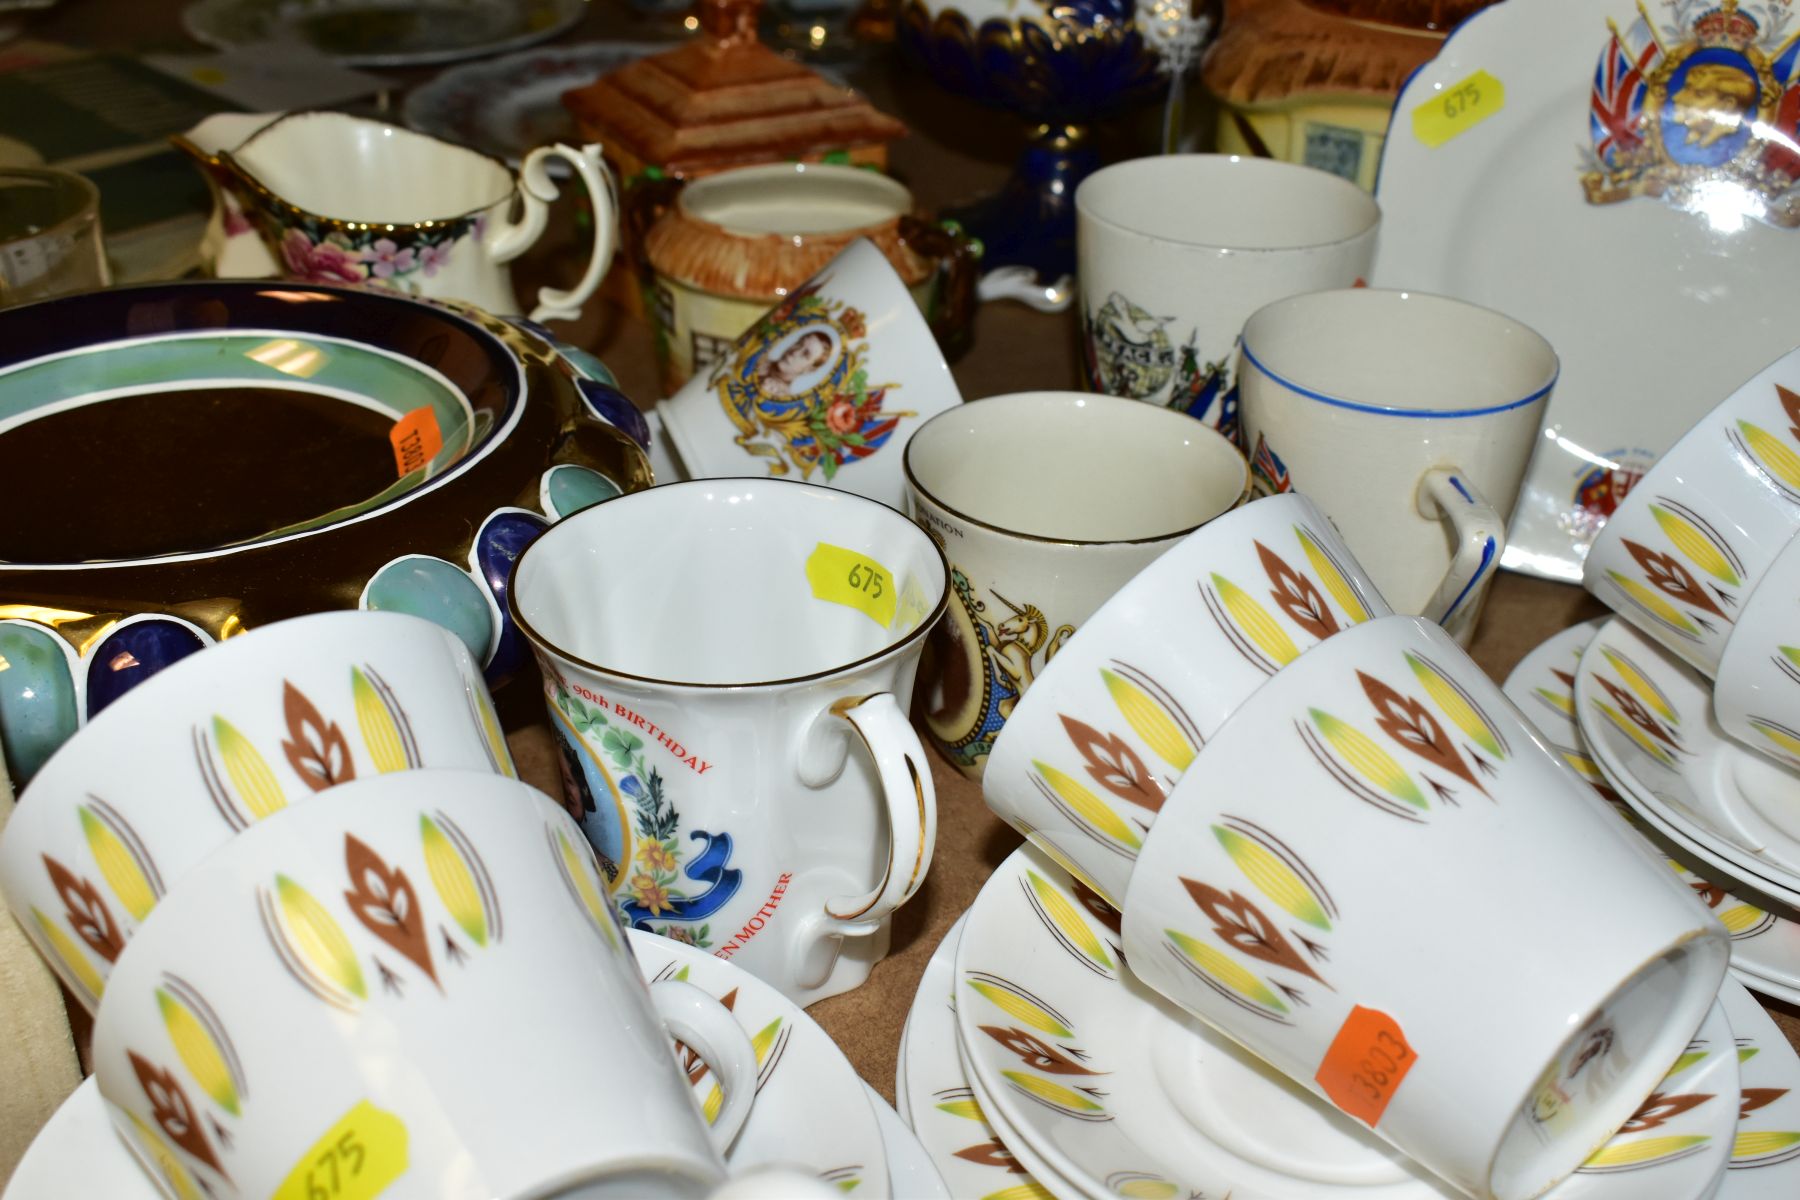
(334, 948)
(1310, 913)
(1685, 707)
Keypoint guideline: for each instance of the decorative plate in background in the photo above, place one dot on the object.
(383, 33)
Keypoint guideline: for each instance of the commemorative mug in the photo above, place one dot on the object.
(728, 665)
(343, 199)
(825, 388)
(1756, 697)
(209, 746)
(1045, 503)
(412, 981)
(1686, 548)
(725, 248)
(1335, 884)
(1409, 419)
(1092, 751)
(1177, 251)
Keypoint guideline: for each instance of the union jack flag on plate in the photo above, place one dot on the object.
(1616, 115)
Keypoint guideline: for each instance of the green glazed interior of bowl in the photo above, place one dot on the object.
(188, 443)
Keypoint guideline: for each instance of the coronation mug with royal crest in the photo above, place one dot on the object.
(1177, 251)
(1045, 504)
(825, 388)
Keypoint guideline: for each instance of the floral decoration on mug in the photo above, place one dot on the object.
(632, 824)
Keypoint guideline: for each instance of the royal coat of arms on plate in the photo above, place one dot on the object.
(797, 387)
(1700, 105)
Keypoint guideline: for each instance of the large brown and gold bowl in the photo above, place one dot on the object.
(181, 462)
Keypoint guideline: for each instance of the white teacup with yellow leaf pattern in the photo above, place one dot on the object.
(214, 743)
(1380, 879)
(410, 987)
(1088, 755)
(1692, 539)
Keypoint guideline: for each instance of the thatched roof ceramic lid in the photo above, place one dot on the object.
(1272, 50)
(725, 99)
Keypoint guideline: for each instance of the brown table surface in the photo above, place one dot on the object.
(956, 152)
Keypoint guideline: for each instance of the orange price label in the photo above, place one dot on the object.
(1365, 1064)
(416, 440)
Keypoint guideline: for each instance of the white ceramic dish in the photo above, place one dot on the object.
(383, 33)
(811, 1106)
(942, 1108)
(1115, 1092)
(807, 1109)
(1764, 945)
(1765, 1156)
(506, 106)
(911, 1173)
(1648, 719)
(1656, 313)
(77, 1156)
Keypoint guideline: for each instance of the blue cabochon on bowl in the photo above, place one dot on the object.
(132, 653)
(498, 544)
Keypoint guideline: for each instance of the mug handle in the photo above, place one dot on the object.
(1446, 494)
(701, 1022)
(959, 262)
(1021, 283)
(911, 802)
(539, 189)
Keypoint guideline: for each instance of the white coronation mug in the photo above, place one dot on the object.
(1087, 491)
(825, 388)
(1409, 419)
(728, 665)
(1176, 251)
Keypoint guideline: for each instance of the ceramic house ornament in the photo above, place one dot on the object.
(1312, 81)
(725, 100)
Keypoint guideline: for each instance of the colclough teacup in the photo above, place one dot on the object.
(411, 987)
(1691, 541)
(1369, 876)
(342, 199)
(728, 247)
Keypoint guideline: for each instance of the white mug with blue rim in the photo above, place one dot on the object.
(1409, 419)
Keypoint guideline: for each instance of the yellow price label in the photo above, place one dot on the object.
(853, 580)
(356, 1159)
(913, 604)
(1458, 108)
